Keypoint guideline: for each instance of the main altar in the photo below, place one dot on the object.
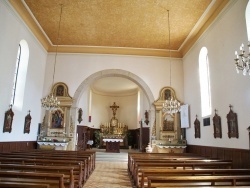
(113, 134)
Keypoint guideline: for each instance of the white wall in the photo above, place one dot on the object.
(12, 32)
(223, 37)
(74, 69)
(102, 113)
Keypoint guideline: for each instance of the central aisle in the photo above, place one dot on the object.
(111, 171)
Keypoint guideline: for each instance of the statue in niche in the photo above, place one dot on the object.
(167, 94)
(60, 90)
(57, 119)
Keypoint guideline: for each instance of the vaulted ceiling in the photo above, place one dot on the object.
(133, 27)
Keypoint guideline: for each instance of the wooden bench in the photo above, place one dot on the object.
(91, 156)
(23, 185)
(54, 180)
(161, 155)
(68, 171)
(174, 160)
(181, 165)
(86, 159)
(145, 172)
(170, 181)
(79, 166)
(168, 156)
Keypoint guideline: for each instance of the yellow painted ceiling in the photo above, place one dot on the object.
(133, 27)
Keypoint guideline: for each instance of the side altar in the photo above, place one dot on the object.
(169, 137)
(57, 129)
(113, 134)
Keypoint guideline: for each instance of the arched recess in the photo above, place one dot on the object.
(85, 86)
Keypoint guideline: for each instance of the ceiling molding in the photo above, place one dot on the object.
(114, 50)
(212, 14)
(24, 14)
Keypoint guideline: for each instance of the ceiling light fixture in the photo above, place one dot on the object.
(171, 105)
(50, 102)
(242, 61)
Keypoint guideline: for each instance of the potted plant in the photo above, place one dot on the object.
(97, 138)
(130, 139)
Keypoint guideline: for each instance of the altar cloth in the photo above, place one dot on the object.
(112, 140)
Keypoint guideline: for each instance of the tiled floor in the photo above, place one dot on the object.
(110, 172)
(109, 175)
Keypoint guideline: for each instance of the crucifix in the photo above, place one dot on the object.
(114, 108)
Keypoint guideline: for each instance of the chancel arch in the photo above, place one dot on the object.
(85, 87)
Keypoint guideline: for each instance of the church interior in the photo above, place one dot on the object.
(154, 77)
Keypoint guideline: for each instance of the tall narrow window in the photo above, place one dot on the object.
(16, 75)
(204, 83)
(248, 20)
(20, 75)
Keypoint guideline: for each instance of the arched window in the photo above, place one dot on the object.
(248, 20)
(20, 75)
(204, 83)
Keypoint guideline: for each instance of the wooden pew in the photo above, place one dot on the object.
(49, 162)
(170, 156)
(86, 165)
(23, 185)
(170, 181)
(86, 159)
(173, 160)
(56, 180)
(145, 172)
(91, 156)
(68, 171)
(189, 165)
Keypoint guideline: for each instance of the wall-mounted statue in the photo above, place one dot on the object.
(79, 115)
(27, 123)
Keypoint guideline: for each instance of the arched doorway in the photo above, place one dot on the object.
(85, 87)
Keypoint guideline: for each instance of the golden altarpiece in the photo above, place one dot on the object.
(168, 134)
(57, 129)
(114, 129)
